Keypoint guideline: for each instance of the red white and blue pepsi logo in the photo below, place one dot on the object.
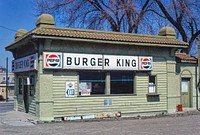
(145, 63)
(53, 60)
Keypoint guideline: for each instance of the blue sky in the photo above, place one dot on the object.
(14, 14)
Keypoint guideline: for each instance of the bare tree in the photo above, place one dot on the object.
(183, 15)
(115, 15)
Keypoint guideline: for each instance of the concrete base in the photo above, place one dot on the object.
(143, 114)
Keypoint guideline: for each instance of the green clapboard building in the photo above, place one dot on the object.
(77, 73)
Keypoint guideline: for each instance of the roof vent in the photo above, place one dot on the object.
(20, 33)
(168, 32)
(45, 20)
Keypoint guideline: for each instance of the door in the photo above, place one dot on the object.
(185, 92)
(25, 96)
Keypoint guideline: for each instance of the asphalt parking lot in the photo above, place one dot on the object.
(15, 123)
(6, 107)
(184, 125)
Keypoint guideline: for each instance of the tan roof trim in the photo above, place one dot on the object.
(100, 36)
(108, 42)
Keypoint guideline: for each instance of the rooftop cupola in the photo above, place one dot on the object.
(20, 33)
(168, 32)
(45, 20)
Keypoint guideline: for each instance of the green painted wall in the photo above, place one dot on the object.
(64, 106)
(50, 102)
(135, 103)
(187, 70)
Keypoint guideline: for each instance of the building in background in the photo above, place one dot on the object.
(67, 73)
(3, 83)
(2, 70)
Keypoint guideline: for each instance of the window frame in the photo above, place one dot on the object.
(20, 86)
(85, 81)
(32, 84)
(153, 84)
(2, 90)
(130, 74)
(107, 83)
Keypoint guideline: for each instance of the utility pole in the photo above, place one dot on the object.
(6, 79)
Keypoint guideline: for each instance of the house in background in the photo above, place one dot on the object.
(3, 83)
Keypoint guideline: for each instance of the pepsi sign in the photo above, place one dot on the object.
(145, 63)
(52, 60)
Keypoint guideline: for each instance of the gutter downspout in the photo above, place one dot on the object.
(197, 82)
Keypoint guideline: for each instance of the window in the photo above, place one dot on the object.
(152, 84)
(20, 86)
(91, 83)
(32, 85)
(121, 83)
(184, 85)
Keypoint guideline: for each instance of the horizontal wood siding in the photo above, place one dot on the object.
(20, 103)
(78, 105)
(32, 105)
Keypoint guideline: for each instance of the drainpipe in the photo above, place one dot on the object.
(197, 83)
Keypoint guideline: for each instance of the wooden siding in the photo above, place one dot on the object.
(89, 105)
(20, 103)
(32, 105)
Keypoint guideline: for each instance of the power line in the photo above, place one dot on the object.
(8, 28)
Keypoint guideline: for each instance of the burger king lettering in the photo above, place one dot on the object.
(27, 63)
(96, 62)
(117, 62)
(82, 61)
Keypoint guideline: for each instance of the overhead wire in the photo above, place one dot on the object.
(4, 27)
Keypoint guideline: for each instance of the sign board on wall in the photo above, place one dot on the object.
(115, 62)
(52, 60)
(27, 63)
(82, 61)
(145, 63)
(99, 62)
(70, 89)
(96, 62)
(85, 88)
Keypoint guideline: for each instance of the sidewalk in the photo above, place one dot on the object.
(15, 118)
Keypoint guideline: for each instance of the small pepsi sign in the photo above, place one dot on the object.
(52, 60)
(70, 89)
(145, 63)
